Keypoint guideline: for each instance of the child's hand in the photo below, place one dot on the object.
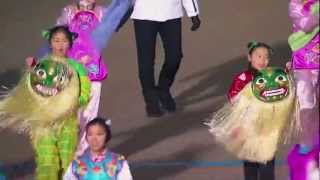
(31, 61)
(236, 132)
(288, 66)
(85, 59)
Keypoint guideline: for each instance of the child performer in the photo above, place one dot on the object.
(251, 124)
(45, 103)
(98, 162)
(304, 43)
(95, 25)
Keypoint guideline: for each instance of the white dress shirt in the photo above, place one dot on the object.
(163, 10)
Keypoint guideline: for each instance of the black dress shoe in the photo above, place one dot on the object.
(152, 101)
(167, 101)
(153, 111)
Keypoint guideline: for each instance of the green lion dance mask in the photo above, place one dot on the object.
(261, 112)
(48, 78)
(271, 84)
(44, 104)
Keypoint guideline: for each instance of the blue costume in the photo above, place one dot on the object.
(107, 166)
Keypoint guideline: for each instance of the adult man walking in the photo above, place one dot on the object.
(164, 17)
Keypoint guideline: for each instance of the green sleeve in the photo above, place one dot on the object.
(85, 84)
(315, 8)
(85, 89)
(81, 70)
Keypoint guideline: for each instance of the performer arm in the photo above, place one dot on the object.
(71, 173)
(238, 83)
(31, 61)
(109, 23)
(125, 18)
(124, 173)
(306, 21)
(65, 15)
(85, 85)
(74, 173)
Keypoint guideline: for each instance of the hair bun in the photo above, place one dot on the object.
(45, 34)
(108, 122)
(252, 45)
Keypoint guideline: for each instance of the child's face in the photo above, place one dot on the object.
(59, 44)
(86, 5)
(96, 137)
(259, 58)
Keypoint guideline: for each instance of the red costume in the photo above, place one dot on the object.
(239, 82)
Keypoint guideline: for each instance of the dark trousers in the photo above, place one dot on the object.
(146, 34)
(259, 171)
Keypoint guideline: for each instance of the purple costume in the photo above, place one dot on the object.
(94, 28)
(305, 39)
(83, 23)
(304, 43)
(304, 166)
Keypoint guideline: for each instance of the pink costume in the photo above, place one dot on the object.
(304, 43)
(83, 23)
(94, 28)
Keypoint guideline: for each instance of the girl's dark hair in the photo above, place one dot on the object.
(71, 36)
(254, 45)
(103, 123)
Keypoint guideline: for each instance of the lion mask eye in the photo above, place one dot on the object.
(280, 78)
(41, 73)
(261, 81)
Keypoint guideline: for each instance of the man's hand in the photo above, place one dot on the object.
(195, 23)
